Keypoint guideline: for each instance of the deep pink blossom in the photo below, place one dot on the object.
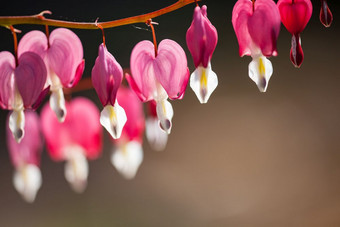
(295, 15)
(257, 27)
(326, 16)
(128, 152)
(62, 53)
(21, 87)
(107, 76)
(78, 138)
(25, 157)
(159, 77)
(201, 40)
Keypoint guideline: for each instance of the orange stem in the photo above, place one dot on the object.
(149, 22)
(37, 19)
(15, 41)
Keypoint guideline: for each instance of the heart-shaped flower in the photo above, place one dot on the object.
(159, 77)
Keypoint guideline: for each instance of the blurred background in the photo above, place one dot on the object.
(244, 159)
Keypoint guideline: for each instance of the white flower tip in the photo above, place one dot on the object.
(203, 82)
(156, 137)
(260, 71)
(77, 170)
(57, 104)
(27, 181)
(127, 158)
(113, 119)
(165, 113)
(17, 124)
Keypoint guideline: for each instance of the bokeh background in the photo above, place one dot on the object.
(243, 159)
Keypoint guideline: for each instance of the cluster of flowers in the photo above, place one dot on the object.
(72, 130)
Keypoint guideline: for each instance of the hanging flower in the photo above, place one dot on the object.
(159, 77)
(107, 76)
(21, 87)
(295, 15)
(201, 39)
(326, 16)
(128, 152)
(257, 26)
(156, 137)
(25, 157)
(75, 140)
(62, 53)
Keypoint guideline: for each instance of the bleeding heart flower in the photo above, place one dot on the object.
(128, 153)
(159, 77)
(326, 16)
(75, 140)
(201, 39)
(25, 157)
(295, 15)
(156, 137)
(21, 87)
(62, 53)
(107, 76)
(257, 26)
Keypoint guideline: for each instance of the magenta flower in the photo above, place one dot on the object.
(295, 15)
(326, 16)
(128, 153)
(62, 53)
(75, 140)
(257, 26)
(21, 87)
(159, 77)
(107, 76)
(156, 137)
(201, 40)
(25, 157)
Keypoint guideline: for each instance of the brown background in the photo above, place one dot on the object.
(243, 159)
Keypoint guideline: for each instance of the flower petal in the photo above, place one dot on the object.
(30, 77)
(64, 55)
(203, 82)
(57, 103)
(127, 159)
(33, 41)
(113, 119)
(165, 114)
(27, 181)
(260, 71)
(107, 76)
(7, 83)
(157, 138)
(296, 52)
(16, 124)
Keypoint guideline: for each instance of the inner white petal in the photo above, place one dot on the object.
(27, 181)
(57, 100)
(155, 135)
(165, 113)
(127, 158)
(113, 119)
(260, 71)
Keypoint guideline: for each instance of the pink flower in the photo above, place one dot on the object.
(107, 76)
(25, 157)
(62, 53)
(257, 27)
(159, 77)
(128, 153)
(326, 16)
(201, 39)
(295, 15)
(78, 138)
(21, 87)
(156, 137)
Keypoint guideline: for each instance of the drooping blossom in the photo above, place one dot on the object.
(201, 40)
(107, 76)
(62, 53)
(21, 87)
(295, 15)
(159, 77)
(75, 140)
(156, 137)
(25, 157)
(326, 16)
(128, 152)
(257, 26)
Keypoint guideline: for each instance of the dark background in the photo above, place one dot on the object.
(243, 159)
